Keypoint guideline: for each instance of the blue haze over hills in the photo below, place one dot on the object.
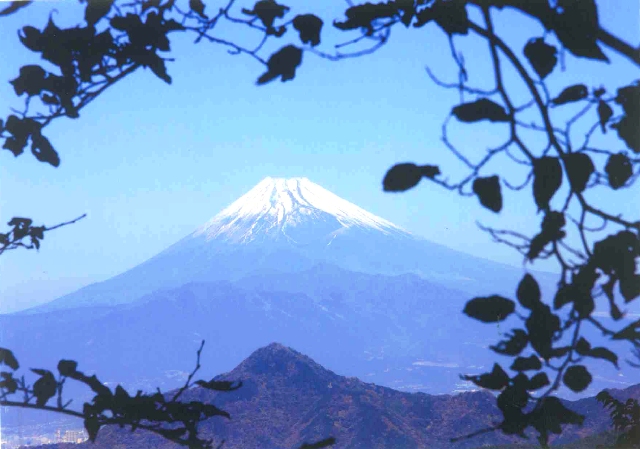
(287, 262)
(289, 226)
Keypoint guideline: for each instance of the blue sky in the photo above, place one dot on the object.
(149, 162)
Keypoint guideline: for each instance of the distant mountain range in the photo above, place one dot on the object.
(290, 225)
(289, 262)
(288, 399)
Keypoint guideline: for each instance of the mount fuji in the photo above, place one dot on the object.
(289, 262)
(287, 226)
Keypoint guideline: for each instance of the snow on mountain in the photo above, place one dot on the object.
(276, 205)
(287, 226)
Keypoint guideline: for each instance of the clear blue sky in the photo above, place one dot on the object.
(149, 162)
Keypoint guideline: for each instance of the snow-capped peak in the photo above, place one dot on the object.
(278, 205)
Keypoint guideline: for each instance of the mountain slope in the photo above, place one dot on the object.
(289, 225)
(287, 399)
(395, 331)
(355, 322)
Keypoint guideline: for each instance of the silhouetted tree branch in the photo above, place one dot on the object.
(137, 31)
(156, 413)
(23, 230)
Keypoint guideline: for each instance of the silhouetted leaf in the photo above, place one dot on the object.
(92, 427)
(616, 255)
(7, 357)
(407, 10)
(629, 98)
(209, 410)
(49, 99)
(14, 6)
(150, 4)
(541, 326)
(538, 381)
(536, 246)
(547, 178)
(43, 150)
(172, 434)
(491, 309)
(583, 346)
(580, 290)
(45, 387)
(30, 81)
(576, 26)
(577, 378)
(401, 177)
(604, 114)
(483, 109)
(513, 399)
(630, 332)
(219, 385)
(31, 38)
(526, 363)
(319, 444)
(515, 422)
(96, 10)
(497, 379)
(488, 192)
(541, 56)
(282, 63)
(629, 132)
(550, 416)
(579, 169)
(451, 16)
(8, 382)
(564, 295)
(618, 170)
(197, 6)
(571, 94)
(630, 287)
(309, 27)
(267, 11)
(363, 16)
(429, 171)
(407, 175)
(21, 129)
(93, 383)
(560, 352)
(121, 394)
(514, 345)
(528, 292)
(603, 353)
(67, 367)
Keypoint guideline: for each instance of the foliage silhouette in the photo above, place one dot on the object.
(158, 413)
(23, 231)
(626, 420)
(162, 414)
(138, 32)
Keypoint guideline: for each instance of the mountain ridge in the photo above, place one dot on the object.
(287, 398)
(275, 226)
(275, 205)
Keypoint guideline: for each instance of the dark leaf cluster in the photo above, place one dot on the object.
(627, 127)
(548, 415)
(162, 414)
(625, 417)
(268, 11)
(24, 235)
(407, 175)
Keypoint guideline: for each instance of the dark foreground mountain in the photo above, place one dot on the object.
(288, 399)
